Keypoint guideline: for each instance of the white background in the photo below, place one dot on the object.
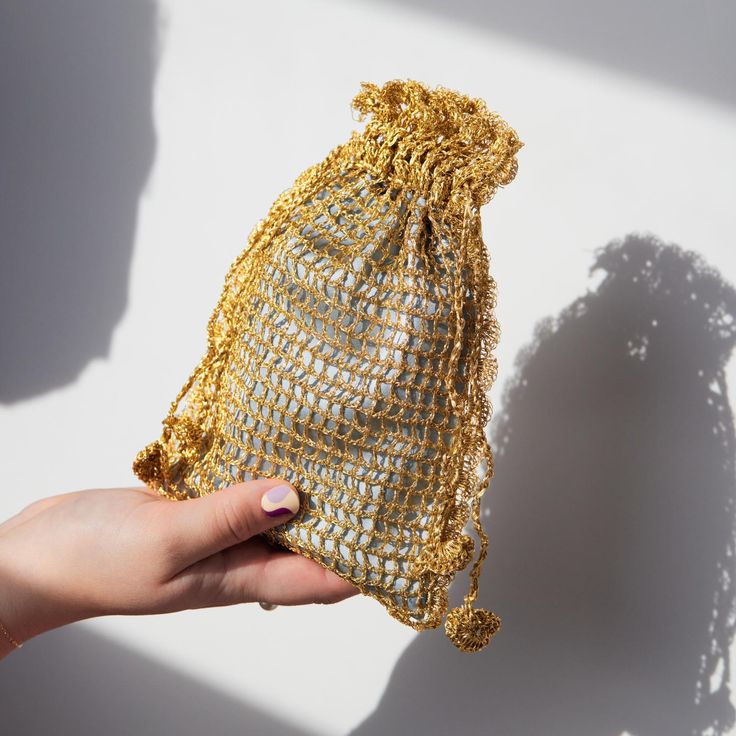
(244, 98)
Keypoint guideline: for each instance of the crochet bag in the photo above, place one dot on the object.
(351, 351)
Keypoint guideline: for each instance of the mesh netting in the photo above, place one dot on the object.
(350, 354)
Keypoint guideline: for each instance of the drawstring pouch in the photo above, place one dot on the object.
(351, 352)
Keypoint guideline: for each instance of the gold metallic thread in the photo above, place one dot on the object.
(9, 637)
(351, 352)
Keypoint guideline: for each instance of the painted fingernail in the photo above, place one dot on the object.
(280, 500)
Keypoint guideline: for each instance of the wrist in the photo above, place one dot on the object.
(25, 610)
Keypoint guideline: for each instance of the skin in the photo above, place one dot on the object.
(132, 551)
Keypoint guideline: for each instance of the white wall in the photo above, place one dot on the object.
(244, 99)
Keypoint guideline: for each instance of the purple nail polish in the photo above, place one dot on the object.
(280, 500)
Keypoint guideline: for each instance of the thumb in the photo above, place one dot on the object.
(200, 527)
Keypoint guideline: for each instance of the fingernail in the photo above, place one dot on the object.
(280, 500)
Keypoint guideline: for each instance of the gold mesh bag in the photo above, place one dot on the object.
(351, 351)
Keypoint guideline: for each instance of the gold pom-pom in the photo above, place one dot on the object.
(451, 555)
(149, 463)
(470, 629)
(446, 556)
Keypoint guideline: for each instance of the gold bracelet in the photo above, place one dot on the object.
(13, 641)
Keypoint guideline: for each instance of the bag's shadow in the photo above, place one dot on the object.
(611, 558)
(77, 142)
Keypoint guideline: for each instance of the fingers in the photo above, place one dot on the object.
(255, 571)
(287, 578)
(199, 527)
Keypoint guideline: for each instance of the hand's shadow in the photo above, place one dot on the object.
(612, 526)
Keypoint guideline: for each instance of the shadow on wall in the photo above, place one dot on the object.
(72, 682)
(76, 143)
(612, 526)
(684, 45)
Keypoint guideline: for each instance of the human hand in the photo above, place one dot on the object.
(132, 551)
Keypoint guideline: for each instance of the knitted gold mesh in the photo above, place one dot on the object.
(351, 353)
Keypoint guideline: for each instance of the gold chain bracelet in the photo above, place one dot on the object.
(8, 636)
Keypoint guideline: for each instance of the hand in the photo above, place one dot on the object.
(132, 551)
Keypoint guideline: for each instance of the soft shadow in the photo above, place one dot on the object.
(612, 526)
(684, 45)
(76, 144)
(76, 683)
